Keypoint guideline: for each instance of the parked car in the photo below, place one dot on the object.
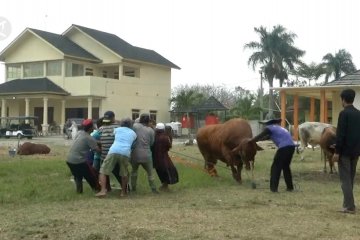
(20, 127)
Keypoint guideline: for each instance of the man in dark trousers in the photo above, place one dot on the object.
(347, 148)
(283, 156)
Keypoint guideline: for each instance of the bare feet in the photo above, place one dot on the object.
(100, 194)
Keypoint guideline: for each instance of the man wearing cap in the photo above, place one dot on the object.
(77, 157)
(283, 156)
(142, 154)
(107, 137)
(119, 152)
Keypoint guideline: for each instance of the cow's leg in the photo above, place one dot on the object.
(325, 160)
(235, 173)
(210, 167)
(230, 160)
(239, 167)
(331, 164)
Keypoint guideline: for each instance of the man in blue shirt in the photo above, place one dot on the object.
(119, 152)
(283, 156)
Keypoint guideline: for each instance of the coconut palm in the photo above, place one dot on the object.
(276, 55)
(336, 64)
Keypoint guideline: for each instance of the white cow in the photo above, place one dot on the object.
(310, 134)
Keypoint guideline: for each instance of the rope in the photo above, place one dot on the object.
(253, 183)
(197, 159)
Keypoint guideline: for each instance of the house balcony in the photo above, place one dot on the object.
(87, 85)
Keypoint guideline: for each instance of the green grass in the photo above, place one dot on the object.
(38, 201)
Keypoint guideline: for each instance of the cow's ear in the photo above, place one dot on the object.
(258, 148)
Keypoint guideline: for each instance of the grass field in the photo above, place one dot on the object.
(38, 201)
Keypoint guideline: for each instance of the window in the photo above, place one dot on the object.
(153, 115)
(74, 69)
(135, 114)
(131, 72)
(89, 72)
(53, 68)
(14, 71)
(35, 69)
(104, 74)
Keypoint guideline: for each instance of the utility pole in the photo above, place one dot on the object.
(261, 93)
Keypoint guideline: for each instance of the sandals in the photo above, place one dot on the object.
(346, 210)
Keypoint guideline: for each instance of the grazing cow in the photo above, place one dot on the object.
(327, 144)
(29, 148)
(309, 134)
(230, 142)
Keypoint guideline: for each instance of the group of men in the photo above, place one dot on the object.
(116, 145)
(125, 142)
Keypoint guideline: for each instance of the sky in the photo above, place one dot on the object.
(205, 38)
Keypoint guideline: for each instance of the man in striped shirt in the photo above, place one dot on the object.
(107, 138)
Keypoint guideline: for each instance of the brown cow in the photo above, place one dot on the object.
(327, 143)
(29, 148)
(230, 142)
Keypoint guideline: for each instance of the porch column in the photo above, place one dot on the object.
(62, 120)
(45, 125)
(120, 70)
(3, 107)
(89, 108)
(312, 109)
(326, 111)
(322, 106)
(296, 117)
(283, 107)
(3, 110)
(27, 109)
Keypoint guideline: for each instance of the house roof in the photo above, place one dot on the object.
(212, 104)
(125, 49)
(31, 86)
(65, 45)
(349, 79)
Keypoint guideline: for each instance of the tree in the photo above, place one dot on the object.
(185, 101)
(335, 65)
(311, 72)
(221, 93)
(273, 52)
(245, 106)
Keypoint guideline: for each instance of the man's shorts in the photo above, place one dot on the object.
(110, 161)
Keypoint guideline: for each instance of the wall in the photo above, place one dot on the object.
(32, 49)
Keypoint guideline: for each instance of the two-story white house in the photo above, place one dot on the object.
(81, 74)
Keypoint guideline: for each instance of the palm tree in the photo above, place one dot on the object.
(311, 72)
(185, 101)
(335, 65)
(273, 52)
